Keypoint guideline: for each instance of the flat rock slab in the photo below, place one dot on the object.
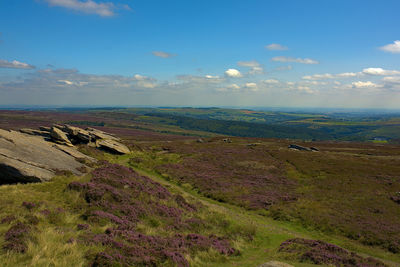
(97, 134)
(28, 158)
(112, 146)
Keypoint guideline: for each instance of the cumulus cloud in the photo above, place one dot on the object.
(392, 79)
(347, 74)
(318, 76)
(250, 64)
(104, 9)
(392, 48)
(212, 77)
(367, 84)
(234, 86)
(234, 73)
(163, 54)
(295, 60)
(329, 76)
(209, 79)
(271, 81)
(255, 67)
(305, 89)
(251, 86)
(276, 47)
(283, 68)
(15, 65)
(55, 79)
(73, 83)
(380, 72)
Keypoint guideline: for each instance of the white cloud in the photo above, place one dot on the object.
(290, 83)
(305, 89)
(163, 54)
(73, 83)
(251, 86)
(256, 70)
(254, 65)
(105, 9)
(318, 76)
(234, 73)
(250, 64)
(231, 87)
(212, 77)
(66, 82)
(271, 81)
(139, 77)
(295, 60)
(347, 74)
(329, 76)
(282, 68)
(54, 79)
(313, 83)
(392, 48)
(234, 86)
(276, 47)
(380, 72)
(391, 79)
(15, 65)
(368, 84)
(207, 79)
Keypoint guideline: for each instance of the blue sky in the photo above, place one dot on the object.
(203, 53)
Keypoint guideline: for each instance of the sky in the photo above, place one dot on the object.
(254, 53)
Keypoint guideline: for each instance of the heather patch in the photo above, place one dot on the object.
(16, 237)
(119, 196)
(217, 170)
(29, 205)
(319, 252)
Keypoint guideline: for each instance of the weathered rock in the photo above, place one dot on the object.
(59, 136)
(45, 128)
(300, 148)
(112, 146)
(97, 134)
(34, 132)
(74, 153)
(27, 158)
(78, 133)
(253, 144)
(200, 140)
(396, 198)
(275, 264)
(227, 140)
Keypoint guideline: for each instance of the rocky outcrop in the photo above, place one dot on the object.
(35, 132)
(97, 134)
(37, 155)
(59, 136)
(29, 158)
(302, 148)
(77, 134)
(68, 135)
(112, 146)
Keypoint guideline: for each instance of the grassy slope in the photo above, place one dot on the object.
(270, 233)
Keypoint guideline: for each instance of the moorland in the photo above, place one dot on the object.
(212, 187)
